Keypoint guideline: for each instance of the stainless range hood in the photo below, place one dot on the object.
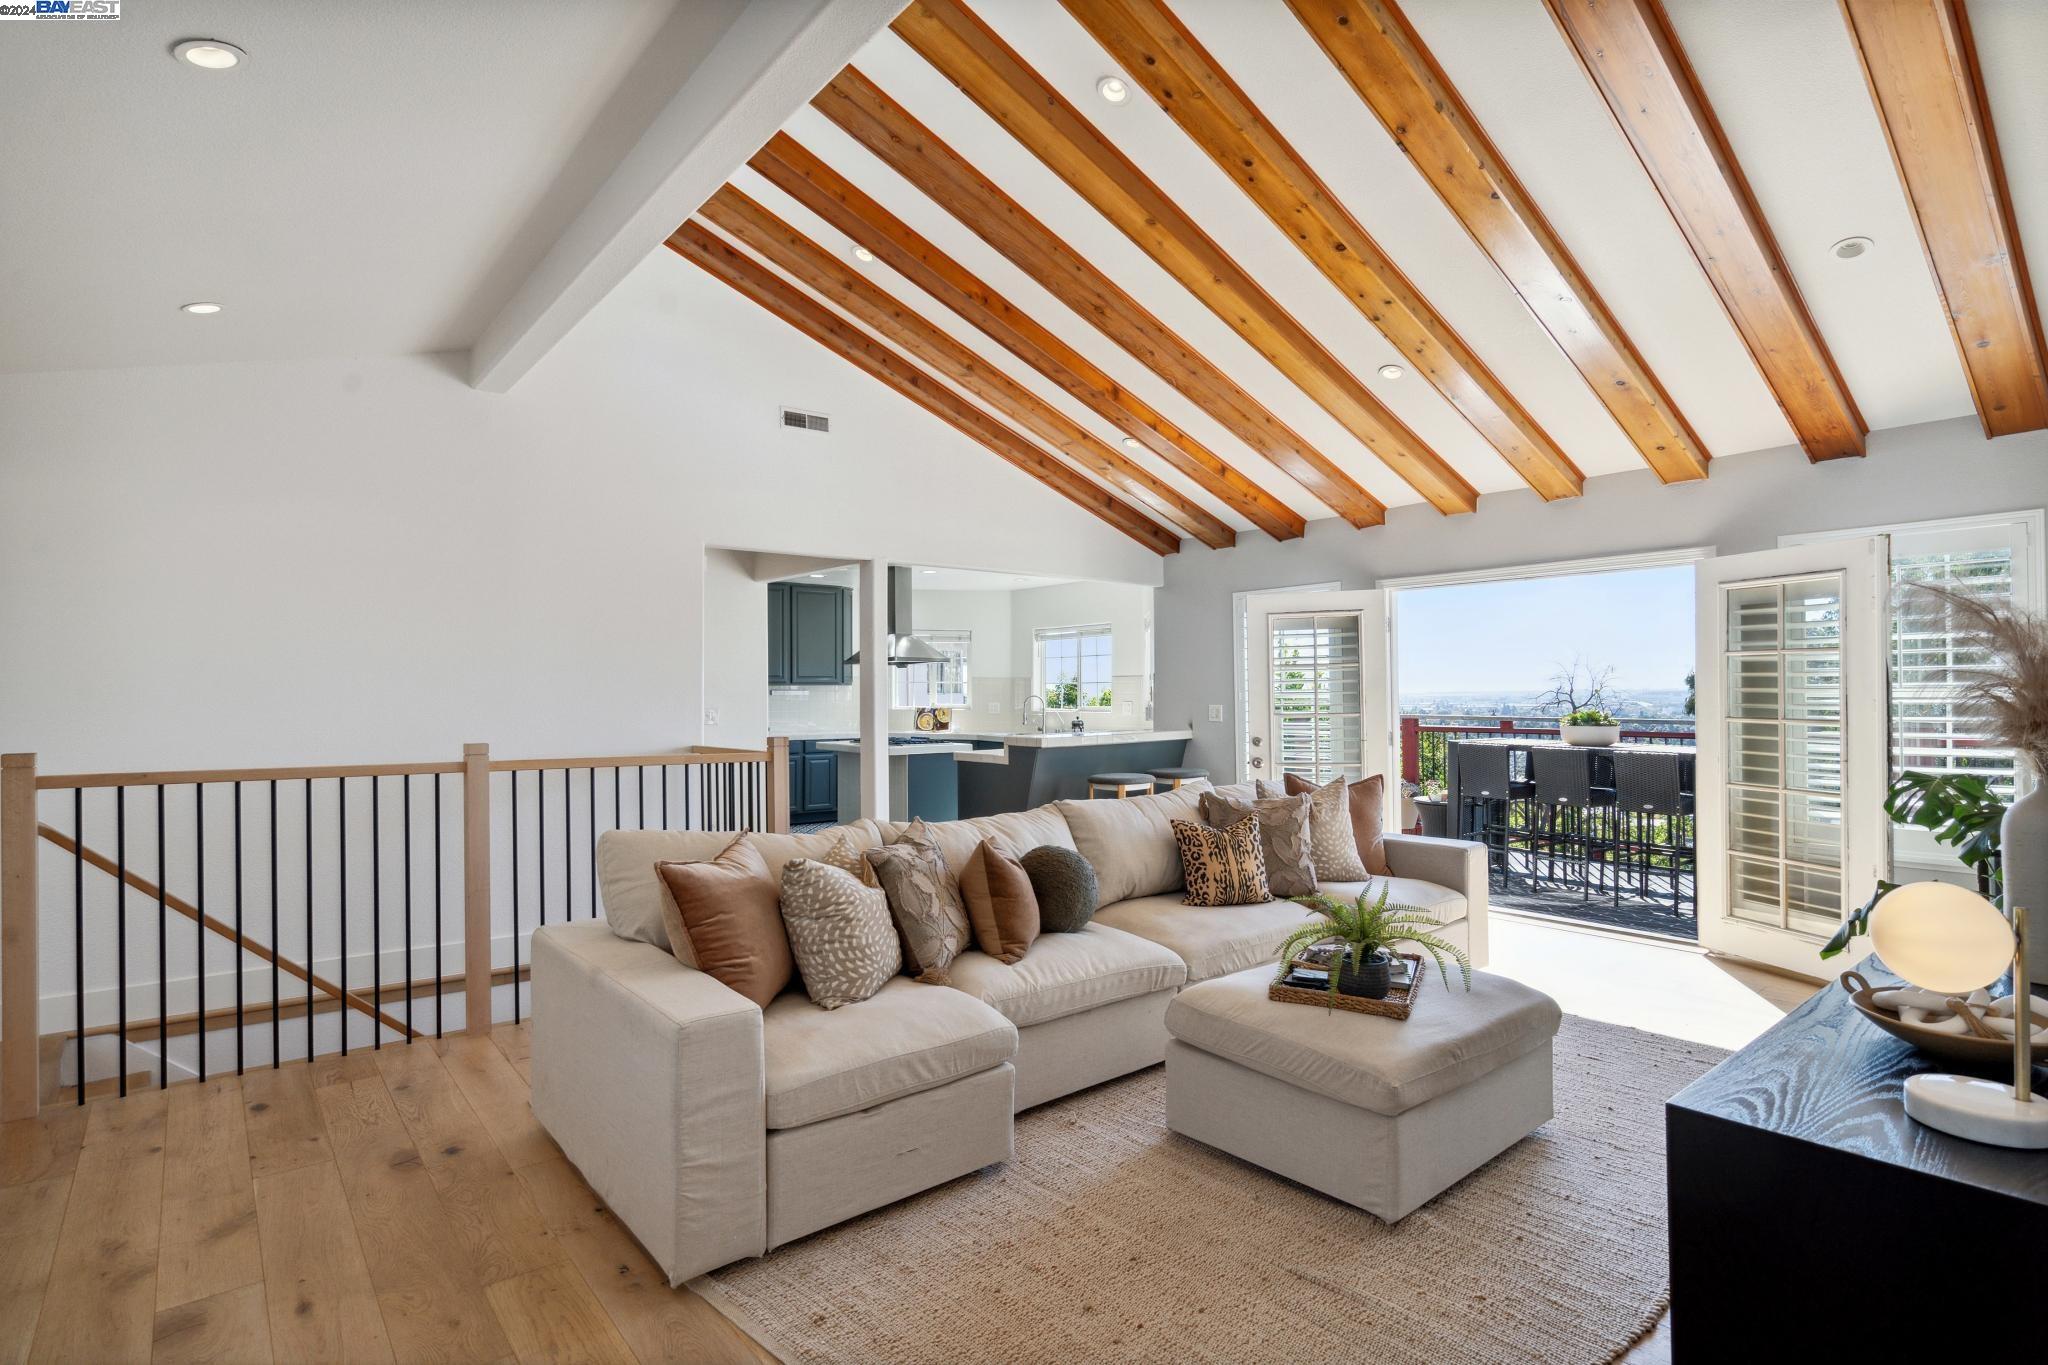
(904, 647)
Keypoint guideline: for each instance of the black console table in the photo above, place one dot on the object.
(1809, 1214)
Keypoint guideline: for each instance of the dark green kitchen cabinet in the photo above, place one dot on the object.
(810, 633)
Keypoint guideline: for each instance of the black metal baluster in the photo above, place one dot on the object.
(199, 904)
(405, 787)
(239, 1058)
(540, 840)
(78, 932)
(592, 813)
(163, 966)
(276, 1005)
(437, 905)
(515, 895)
(640, 793)
(376, 919)
(568, 861)
(341, 843)
(731, 802)
(661, 775)
(311, 960)
(618, 815)
(121, 926)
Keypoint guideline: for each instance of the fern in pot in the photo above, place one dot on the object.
(1363, 932)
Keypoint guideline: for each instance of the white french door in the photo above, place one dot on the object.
(1317, 699)
(1794, 736)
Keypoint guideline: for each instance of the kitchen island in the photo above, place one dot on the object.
(957, 774)
(923, 783)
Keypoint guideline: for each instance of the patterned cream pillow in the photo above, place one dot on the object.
(1332, 840)
(1283, 837)
(847, 856)
(925, 899)
(1222, 866)
(840, 933)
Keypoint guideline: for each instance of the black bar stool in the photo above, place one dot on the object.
(1119, 785)
(1487, 794)
(1166, 779)
(1572, 818)
(1654, 820)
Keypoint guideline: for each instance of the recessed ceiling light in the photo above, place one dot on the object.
(863, 255)
(1391, 372)
(817, 575)
(1113, 88)
(201, 308)
(927, 570)
(209, 54)
(1130, 443)
(1849, 248)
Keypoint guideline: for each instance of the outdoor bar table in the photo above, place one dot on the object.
(1605, 759)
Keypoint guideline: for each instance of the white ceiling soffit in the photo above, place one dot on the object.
(768, 62)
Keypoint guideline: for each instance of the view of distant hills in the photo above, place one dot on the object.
(1659, 702)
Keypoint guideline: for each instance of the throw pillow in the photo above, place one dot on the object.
(725, 912)
(1000, 902)
(1222, 866)
(846, 855)
(1367, 805)
(1064, 884)
(1332, 841)
(840, 931)
(925, 899)
(1283, 837)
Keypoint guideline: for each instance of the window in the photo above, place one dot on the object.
(1073, 665)
(1994, 556)
(945, 684)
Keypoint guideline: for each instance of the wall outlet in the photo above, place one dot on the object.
(1216, 715)
(995, 708)
(711, 715)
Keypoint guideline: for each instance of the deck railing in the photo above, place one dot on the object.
(160, 925)
(1425, 739)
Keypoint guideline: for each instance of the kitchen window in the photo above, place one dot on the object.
(945, 684)
(1997, 557)
(1073, 664)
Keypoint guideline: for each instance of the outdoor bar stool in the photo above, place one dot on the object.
(1487, 794)
(1653, 821)
(1169, 778)
(1119, 785)
(1573, 818)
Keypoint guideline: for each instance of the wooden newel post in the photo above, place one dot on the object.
(476, 888)
(19, 912)
(778, 784)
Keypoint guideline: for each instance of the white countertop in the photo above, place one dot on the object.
(1052, 739)
(852, 746)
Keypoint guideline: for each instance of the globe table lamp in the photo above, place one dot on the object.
(1948, 939)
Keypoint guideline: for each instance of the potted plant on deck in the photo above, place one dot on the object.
(1363, 932)
(1589, 727)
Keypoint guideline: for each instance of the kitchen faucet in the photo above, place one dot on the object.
(1031, 699)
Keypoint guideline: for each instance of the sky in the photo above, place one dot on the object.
(1511, 636)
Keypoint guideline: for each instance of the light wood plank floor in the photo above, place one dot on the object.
(403, 1205)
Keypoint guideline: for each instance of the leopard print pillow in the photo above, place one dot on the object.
(1223, 866)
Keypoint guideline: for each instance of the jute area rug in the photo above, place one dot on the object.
(1109, 1238)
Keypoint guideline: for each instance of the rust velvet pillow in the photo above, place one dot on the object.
(728, 912)
(1000, 902)
(1368, 808)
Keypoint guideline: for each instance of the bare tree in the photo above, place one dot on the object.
(1577, 685)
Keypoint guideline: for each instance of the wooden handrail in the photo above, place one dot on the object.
(149, 888)
(677, 759)
(188, 776)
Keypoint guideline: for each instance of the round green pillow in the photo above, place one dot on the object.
(1065, 886)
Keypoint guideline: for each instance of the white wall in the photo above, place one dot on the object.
(1938, 469)
(1124, 607)
(336, 561)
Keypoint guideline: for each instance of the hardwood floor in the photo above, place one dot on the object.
(402, 1204)
(394, 1205)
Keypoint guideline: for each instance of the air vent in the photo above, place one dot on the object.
(805, 421)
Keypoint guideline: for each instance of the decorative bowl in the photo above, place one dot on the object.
(1590, 736)
(1955, 1047)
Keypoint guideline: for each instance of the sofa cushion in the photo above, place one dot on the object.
(1000, 902)
(1386, 1065)
(634, 899)
(840, 933)
(924, 897)
(1344, 827)
(1283, 824)
(1016, 832)
(904, 1038)
(1222, 866)
(1440, 903)
(1067, 973)
(1211, 940)
(1064, 883)
(725, 919)
(1130, 842)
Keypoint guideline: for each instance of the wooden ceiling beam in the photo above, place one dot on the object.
(720, 259)
(824, 273)
(796, 171)
(1921, 65)
(988, 71)
(1372, 44)
(881, 125)
(1161, 55)
(1633, 58)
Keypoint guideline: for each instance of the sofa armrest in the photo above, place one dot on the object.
(1459, 864)
(650, 1076)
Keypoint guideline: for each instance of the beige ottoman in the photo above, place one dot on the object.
(1382, 1113)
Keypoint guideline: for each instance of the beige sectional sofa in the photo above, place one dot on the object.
(717, 1130)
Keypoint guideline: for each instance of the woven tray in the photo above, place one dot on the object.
(1396, 1005)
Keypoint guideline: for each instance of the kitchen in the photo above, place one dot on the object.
(1006, 690)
